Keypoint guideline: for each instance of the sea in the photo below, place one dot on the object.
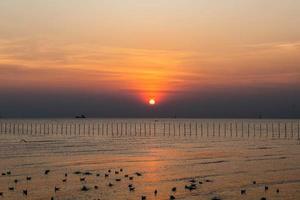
(132, 159)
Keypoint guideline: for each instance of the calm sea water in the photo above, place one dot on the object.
(225, 155)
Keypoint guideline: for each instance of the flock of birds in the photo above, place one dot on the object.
(192, 183)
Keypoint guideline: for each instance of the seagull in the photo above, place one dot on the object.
(266, 188)
(138, 174)
(84, 188)
(82, 179)
(56, 189)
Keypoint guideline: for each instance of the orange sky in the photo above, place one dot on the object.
(150, 49)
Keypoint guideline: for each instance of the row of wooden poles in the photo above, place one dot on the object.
(204, 129)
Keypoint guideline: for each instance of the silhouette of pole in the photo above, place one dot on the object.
(122, 124)
(236, 131)
(254, 127)
(248, 130)
(225, 130)
(242, 129)
(213, 129)
(179, 127)
(102, 128)
(298, 130)
(285, 131)
(22, 128)
(230, 129)
(201, 129)
(14, 128)
(107, 128)
(207, 129)
(174, 129)
(267, 127)
(292, 129)
(273, 130)
(260, 133)
(279, 130)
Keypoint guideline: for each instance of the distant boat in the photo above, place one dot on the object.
(80, 117)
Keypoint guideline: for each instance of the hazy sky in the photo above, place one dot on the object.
(206, 58)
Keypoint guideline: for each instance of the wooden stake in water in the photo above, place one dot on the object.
(254, 127)
(242, 129)
(207, 129)
(102, 128)
(107, 128)
(292, 129)
(213, 129)
(230, 129)
(298, 131)
(267, 127)
(260, 133)
(140, 129)
(236, 130)
(201, 129)
(273, 132)
(14, 128)
(248, 131)
(285, 131)
(279, 130)
(174, 129)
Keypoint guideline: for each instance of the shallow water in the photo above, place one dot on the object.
(165, 158)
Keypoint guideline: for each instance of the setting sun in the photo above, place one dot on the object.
(152, 102)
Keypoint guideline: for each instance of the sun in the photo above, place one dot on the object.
(152, 102)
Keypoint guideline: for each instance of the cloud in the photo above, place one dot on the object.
(86, 66)
(275, 46)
